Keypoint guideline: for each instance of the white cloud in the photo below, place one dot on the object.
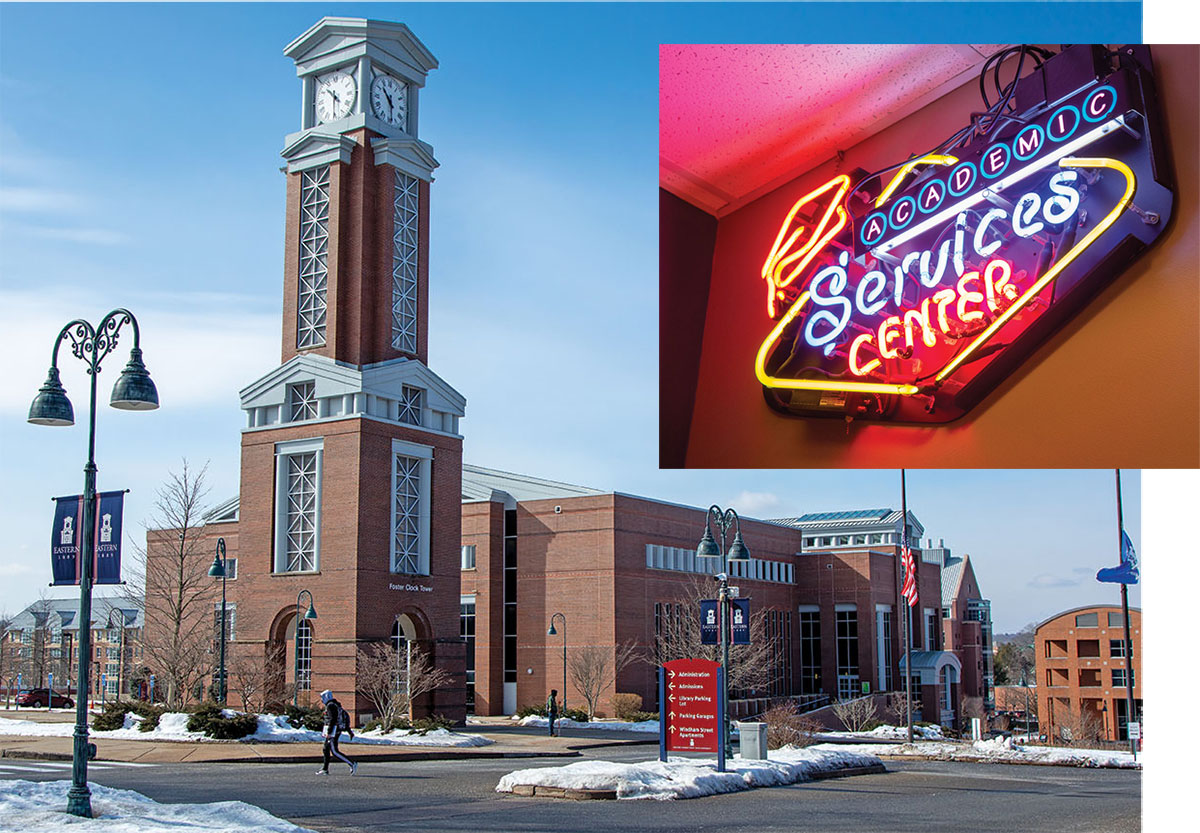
(1047, 580)
(87, 236)
(755, 504)
(35, 199)
(198, 351)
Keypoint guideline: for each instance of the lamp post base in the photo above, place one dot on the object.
(79, 801)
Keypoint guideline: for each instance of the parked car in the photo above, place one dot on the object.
(38, 697)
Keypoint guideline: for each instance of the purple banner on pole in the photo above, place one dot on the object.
(66, 539)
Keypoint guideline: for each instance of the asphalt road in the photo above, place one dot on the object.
(456, 796)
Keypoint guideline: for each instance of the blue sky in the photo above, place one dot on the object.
(139, 157)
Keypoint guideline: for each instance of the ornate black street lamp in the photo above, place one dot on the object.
(311, 613)
(218, 570)
(711, 548)
(134, 391)
(553, 632)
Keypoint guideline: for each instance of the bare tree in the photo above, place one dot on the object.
(1080, 726)
(787, 728)
(171, 576)
(392, 681)
(248, 675)
(677, 636)
(855, 714)
(897, 710)
(592, 669)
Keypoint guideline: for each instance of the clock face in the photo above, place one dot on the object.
(389, 99)
(335, 96)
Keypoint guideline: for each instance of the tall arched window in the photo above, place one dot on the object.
(947, 679)
(304, 655)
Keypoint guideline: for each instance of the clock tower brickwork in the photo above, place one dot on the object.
(351, 456)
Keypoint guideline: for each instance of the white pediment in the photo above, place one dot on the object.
(336, 41)
(412, 156)
(314, 147)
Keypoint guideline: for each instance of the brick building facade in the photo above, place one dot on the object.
(1082, 673)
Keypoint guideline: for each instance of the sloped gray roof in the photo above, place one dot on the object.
(952, 570)
(479, 483)
(854, 518)
(104, 610)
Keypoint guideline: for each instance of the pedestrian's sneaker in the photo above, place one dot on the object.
(353, 767)
(322, 772)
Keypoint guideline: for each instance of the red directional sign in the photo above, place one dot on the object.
(691, 705)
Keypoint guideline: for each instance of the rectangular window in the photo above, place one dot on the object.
(314, 250)
(405, 245)
(230, 570)
(301, 516)
(411, 474)
(230, 621)
(847, 652)
(883, 648)
(1087, 620)
(412, 403)
(466, 630)
(1119, 679)
(468, 557)
(932, 626)
(302, 401)
(1116, 648)
(510, 596)
(1116, 620)
(304, 655)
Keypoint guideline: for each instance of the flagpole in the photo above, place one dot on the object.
(1125, 615)
(907, 610)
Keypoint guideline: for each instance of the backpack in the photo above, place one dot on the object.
(343, 719)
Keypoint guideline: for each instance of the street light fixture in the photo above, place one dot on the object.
(311, 613)
(712, 548)
(218, 570)
(553, 632)
(134, 391)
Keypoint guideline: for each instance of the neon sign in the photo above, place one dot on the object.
(913, 305)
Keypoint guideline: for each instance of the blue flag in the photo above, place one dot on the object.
(67, 539)
(1127, 572)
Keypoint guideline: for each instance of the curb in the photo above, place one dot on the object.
(535, 791)
(990, 761)
(33, 754)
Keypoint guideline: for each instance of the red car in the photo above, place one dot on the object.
(39, 697)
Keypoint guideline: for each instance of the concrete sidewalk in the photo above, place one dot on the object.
(507, 745)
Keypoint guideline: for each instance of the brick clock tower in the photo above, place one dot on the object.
(351, 454)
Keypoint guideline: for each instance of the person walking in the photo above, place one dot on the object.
(552, 709)
(337, 720)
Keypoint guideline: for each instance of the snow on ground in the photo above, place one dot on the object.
(890, 733)
(611, 725)
(30, 805)
(272, 728)
(1001, 750)
(689, 778)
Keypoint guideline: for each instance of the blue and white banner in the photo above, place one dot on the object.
(709, 635)
(66, 539)
(739, 626)
(1127, 571)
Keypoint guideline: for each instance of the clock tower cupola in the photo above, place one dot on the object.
(356, 270)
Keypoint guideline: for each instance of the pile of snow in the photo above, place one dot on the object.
(30, 805)
(272, 728)
(891, 733)
(611, 725)
(1002, 750)
(686, 778)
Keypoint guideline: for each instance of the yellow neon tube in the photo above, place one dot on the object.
(815, 384)
(775, 262)
(1064, 261)
(931, 159)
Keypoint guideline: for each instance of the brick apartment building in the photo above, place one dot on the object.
(1083, 672)
(40, 642)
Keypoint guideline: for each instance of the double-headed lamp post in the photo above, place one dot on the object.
(715, 548)
(311, 613)
(134, 391)
(218, 570)
(553, 632)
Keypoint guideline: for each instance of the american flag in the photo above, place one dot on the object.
(909, 590)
